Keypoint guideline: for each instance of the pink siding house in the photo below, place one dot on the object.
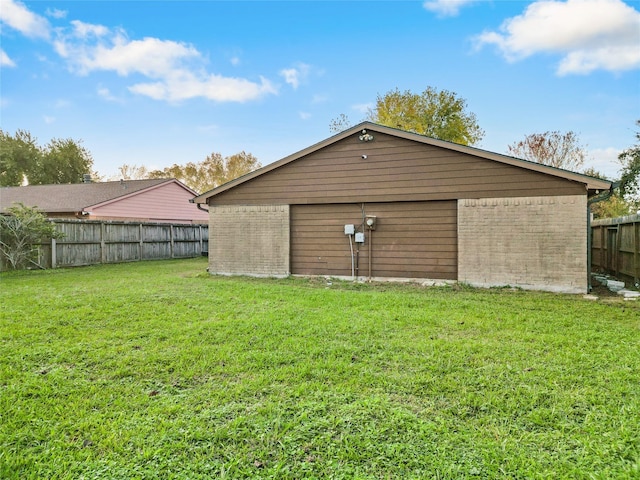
(157, 200)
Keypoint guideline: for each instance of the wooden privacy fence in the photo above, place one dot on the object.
(92, 242)
(615, 246)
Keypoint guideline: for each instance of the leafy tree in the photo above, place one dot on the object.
(556, 149)
(436, 113)
(210, 173)
(630, 173)
(237, 165)
(19, 156)
(132, 172)
(21, 231)
(63, 161)
(60, 161)
(626, 198)
(614, 206)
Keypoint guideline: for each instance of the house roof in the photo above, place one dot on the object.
(592, 184)
(77, 196)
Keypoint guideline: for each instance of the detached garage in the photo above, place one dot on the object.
(375, 202)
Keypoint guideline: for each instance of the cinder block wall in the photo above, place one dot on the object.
(249, 240)
(530, 242)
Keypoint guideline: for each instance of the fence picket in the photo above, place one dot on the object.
(616, 246)
(90, 242)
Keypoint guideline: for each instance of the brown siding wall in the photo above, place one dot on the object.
(411, 240)
(395, 169)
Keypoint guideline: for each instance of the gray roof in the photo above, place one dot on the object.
(72, 197)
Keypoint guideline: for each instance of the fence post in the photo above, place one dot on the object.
(618, 248)
(636, 251)
(78, 248)
(603, 264)
(103, 248)
(171, 239)
(54, 260)
(141, 240)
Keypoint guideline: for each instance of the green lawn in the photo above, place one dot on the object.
(158, 370)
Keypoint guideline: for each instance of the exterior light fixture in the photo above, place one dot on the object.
(370, 221)
(365, 137)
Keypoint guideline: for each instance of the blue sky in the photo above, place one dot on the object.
(155, 83)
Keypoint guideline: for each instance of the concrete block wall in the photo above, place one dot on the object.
(530, 242)
(249, 240)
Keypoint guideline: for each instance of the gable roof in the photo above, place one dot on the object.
(78, 196)
(592, 184)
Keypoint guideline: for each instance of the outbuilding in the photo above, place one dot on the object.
(374, 202)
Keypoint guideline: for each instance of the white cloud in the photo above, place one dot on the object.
(605, 161)
(17, 16)
(296, 75)
(48, 120)
(446, 8)
(613, 59)
(5, 61)
(93, 48)
(175, 70)
(183, 85)
(56, 13)
(590, 34)
(86, 30)
(362, 107)
(304, 115)
(290, 76)
(62, 103)
(106, 94)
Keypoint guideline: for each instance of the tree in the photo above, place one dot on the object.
(210, 173)
(132, 172)
(630, 173)
(60, 161)
(436, 113)
(613, 206)
(18, 157)
(237, 165)
(626, 198)
(63, 161)
(21, 231)
(560, 150)
(340, 123)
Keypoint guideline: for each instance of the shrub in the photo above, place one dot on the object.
(22, 229)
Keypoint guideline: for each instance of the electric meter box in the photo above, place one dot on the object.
(349, 229)
(359, 237)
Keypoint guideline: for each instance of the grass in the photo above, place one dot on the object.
(158, 370)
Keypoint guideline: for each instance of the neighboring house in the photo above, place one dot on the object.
(439, 211)
(157, 200)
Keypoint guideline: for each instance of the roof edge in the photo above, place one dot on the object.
(591, 183)
(142, 190)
